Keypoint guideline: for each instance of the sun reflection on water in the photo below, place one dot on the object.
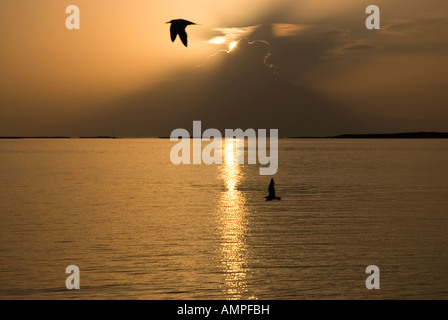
(234, 225)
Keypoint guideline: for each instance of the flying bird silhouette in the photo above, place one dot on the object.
(178, 28)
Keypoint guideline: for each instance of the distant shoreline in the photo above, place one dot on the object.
(408, 135)
(57, 137)
(35, 138)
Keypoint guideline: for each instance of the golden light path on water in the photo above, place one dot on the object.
(234, 225)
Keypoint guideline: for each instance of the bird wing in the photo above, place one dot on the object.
(184, 37)
(173, 32)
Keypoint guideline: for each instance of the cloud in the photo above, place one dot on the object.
(300, 49)
(358, 46)
(289, 30)
(228, 35)
(320, 49)
(407, 27)
(242, 88)
(295, 78)
(250, 56)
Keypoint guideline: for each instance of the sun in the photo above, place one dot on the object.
(232, 45)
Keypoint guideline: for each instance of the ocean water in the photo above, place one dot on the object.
(139, 227)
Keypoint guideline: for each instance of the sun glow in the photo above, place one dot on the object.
(232, 45)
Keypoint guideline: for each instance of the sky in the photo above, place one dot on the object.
(307, 68)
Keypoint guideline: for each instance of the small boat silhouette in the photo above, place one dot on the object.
(271, 195)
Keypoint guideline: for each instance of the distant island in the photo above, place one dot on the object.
(99, 137)
(408, 135)
(61, 137)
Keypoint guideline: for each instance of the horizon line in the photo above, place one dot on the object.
(403, 135)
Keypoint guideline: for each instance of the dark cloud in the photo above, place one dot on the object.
(303, 50)
(277, 79)
(253, 57)
(243, 88)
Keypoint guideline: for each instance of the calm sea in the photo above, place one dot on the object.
(139, 227)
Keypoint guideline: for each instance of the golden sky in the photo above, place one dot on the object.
(121, 69)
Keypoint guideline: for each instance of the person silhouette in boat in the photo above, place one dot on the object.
(271, 189)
